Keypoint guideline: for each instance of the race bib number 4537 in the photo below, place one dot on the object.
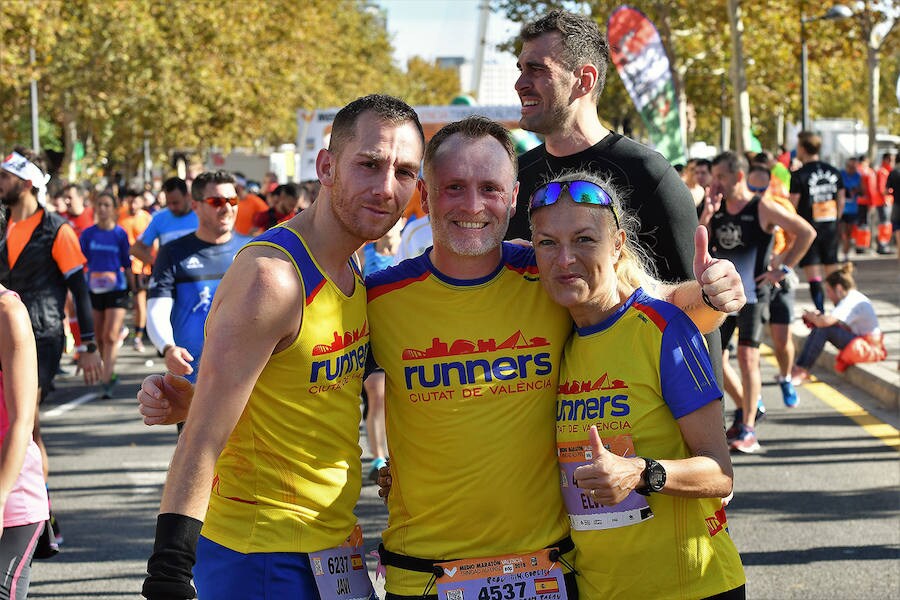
(531, 576)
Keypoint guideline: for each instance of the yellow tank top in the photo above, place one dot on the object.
(290, 473)
(471, 374)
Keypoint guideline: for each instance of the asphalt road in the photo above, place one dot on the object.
(815, 514)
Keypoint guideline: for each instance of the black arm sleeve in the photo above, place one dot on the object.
(174, 555)
(78, 286)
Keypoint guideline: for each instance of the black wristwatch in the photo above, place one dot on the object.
(653, 478)
(87, 347)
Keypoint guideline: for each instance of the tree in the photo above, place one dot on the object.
(189, 75)
(697, 36)
(876, 20)
(426, 83)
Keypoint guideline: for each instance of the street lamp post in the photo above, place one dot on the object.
(838, 11)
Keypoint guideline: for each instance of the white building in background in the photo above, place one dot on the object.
(498, 79)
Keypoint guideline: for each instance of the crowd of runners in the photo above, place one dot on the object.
(544, 365)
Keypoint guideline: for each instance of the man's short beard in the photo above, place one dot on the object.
(12, 197)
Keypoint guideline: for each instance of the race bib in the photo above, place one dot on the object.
(824, 211)
(585, 513)
(340, 572)
(531, 576)
(101, 282)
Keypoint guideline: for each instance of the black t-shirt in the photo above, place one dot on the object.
(818, 184)
(653, 191)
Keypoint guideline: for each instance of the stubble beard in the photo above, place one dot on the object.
(477, 247)
(352, 221)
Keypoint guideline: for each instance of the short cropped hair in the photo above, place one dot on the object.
(387, 108)
(207, 177)
(174, 183)
(473, 127)
(810, 142)
(735, 162)
(292, 190)
(583, 42)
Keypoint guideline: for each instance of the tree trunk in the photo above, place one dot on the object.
(70, 137)
(739, 79)
(874, 69)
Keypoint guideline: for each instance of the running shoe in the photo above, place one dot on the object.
(108, 387)
(123, 335)
(732, 432)
(746, 441)
(138, 344)
(54, 525)
(373, 471)
(788, 393)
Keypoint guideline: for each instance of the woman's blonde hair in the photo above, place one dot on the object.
(635, 268)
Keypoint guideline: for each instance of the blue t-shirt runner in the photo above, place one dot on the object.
(167, 227)
(189, 270)
(107, 256)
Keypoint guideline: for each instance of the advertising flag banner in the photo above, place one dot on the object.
(642, 63)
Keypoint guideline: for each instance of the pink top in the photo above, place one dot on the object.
(27, 502)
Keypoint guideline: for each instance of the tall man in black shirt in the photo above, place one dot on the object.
(563, 66)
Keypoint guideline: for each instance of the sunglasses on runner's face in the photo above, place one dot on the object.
(220, 201)
(757, 189)
(582, 192)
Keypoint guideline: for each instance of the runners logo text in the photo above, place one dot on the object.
(598, 399)
(519, 360)
(343, 359)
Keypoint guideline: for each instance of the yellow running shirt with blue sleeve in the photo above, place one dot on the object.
(290, 474)
(471, 374)
(633, 375)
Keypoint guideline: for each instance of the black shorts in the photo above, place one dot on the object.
(824, 249)
(49, 353)
(850, 218)
(748, 322)
(107, 300)
(781, 305)
(141, 281)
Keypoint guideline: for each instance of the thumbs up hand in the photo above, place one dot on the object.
(609, 478)
(717, 277)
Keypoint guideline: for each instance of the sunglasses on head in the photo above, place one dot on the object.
(220, 201)
(582, 192)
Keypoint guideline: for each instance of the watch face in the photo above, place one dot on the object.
(656, 477)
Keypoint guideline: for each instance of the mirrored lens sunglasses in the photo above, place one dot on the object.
(220, 201)
(582, 192)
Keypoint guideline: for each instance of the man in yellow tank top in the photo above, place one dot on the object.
(268, 461)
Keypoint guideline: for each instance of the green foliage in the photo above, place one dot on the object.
(701, 51)
(188, 74)
(426, 83)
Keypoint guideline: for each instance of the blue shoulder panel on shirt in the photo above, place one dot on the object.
(285, 238)
(685, 369)
(397, 276)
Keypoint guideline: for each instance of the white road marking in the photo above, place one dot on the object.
(71, 405)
